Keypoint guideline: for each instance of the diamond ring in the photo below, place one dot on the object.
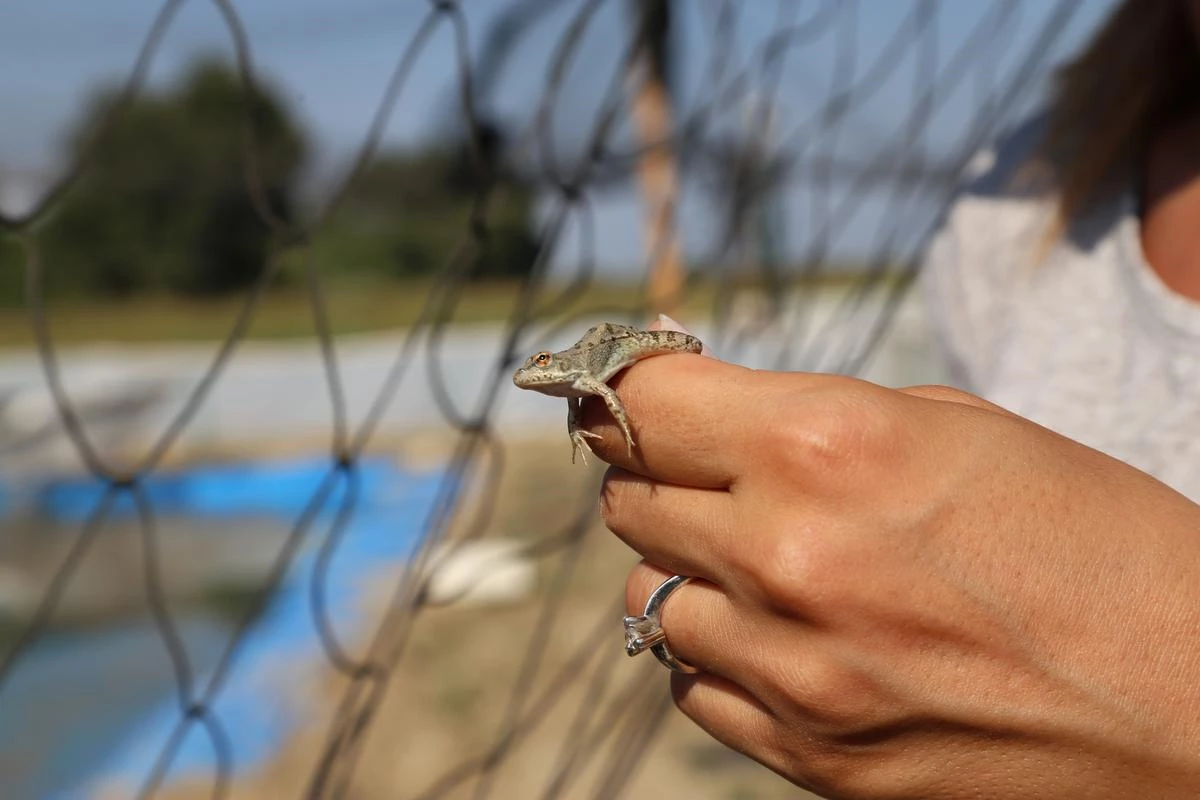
(646, 633)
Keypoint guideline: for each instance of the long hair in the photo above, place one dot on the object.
(1138, 73)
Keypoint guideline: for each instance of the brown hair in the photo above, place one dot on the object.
(1136, 74)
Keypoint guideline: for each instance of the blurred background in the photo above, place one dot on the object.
(274, 521)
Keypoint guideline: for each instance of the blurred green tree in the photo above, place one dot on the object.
(163, 202)
(11, 268)
(408, 212)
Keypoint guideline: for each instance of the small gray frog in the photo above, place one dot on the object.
(586, 367)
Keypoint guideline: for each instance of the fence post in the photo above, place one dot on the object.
(657, 167)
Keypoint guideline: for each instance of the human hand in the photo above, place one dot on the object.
(909, 593)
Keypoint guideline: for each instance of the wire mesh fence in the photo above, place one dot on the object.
(787, 162)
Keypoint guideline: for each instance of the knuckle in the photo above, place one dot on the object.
(842, 722)
(948, 394)
(937, 391)
(846, 715)
(784, 567)
(802, 571)
(847, 431)
(824, 765)
(837, 702)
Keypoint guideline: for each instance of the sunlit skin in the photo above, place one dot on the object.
(909, 594)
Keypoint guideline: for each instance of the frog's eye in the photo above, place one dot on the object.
(542, 359)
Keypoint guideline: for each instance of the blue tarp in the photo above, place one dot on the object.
(232, 490)
(256, 707)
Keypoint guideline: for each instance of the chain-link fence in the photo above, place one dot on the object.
(777, 168)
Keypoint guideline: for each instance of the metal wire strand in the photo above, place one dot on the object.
(721, 151)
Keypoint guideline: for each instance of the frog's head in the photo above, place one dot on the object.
(538, 370)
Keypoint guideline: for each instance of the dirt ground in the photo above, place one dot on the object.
(446, 703)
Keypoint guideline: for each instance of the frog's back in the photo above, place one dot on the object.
(629, 345)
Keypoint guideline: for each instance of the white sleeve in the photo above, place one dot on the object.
(971, 273)
(943, 291)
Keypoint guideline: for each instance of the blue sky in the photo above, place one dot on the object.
(331, 60)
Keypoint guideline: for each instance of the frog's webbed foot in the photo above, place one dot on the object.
(579, 436)
(579, 443)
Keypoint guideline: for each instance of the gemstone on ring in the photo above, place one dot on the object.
(642, 633)
(645, 632)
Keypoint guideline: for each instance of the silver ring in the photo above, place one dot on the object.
(646, 633)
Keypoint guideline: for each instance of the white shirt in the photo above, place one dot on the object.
(1088, 342)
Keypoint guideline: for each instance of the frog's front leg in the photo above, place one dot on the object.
(578, 442)
(593, 386)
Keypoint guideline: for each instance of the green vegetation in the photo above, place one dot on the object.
(162, 234)
(406, 215)
(170, 204)
(353, 306)
(162, 204)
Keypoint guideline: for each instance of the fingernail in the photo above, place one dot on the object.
(666, 322)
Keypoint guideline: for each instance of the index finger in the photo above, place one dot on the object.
(689, 415)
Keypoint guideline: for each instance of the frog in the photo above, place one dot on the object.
(586, 367)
